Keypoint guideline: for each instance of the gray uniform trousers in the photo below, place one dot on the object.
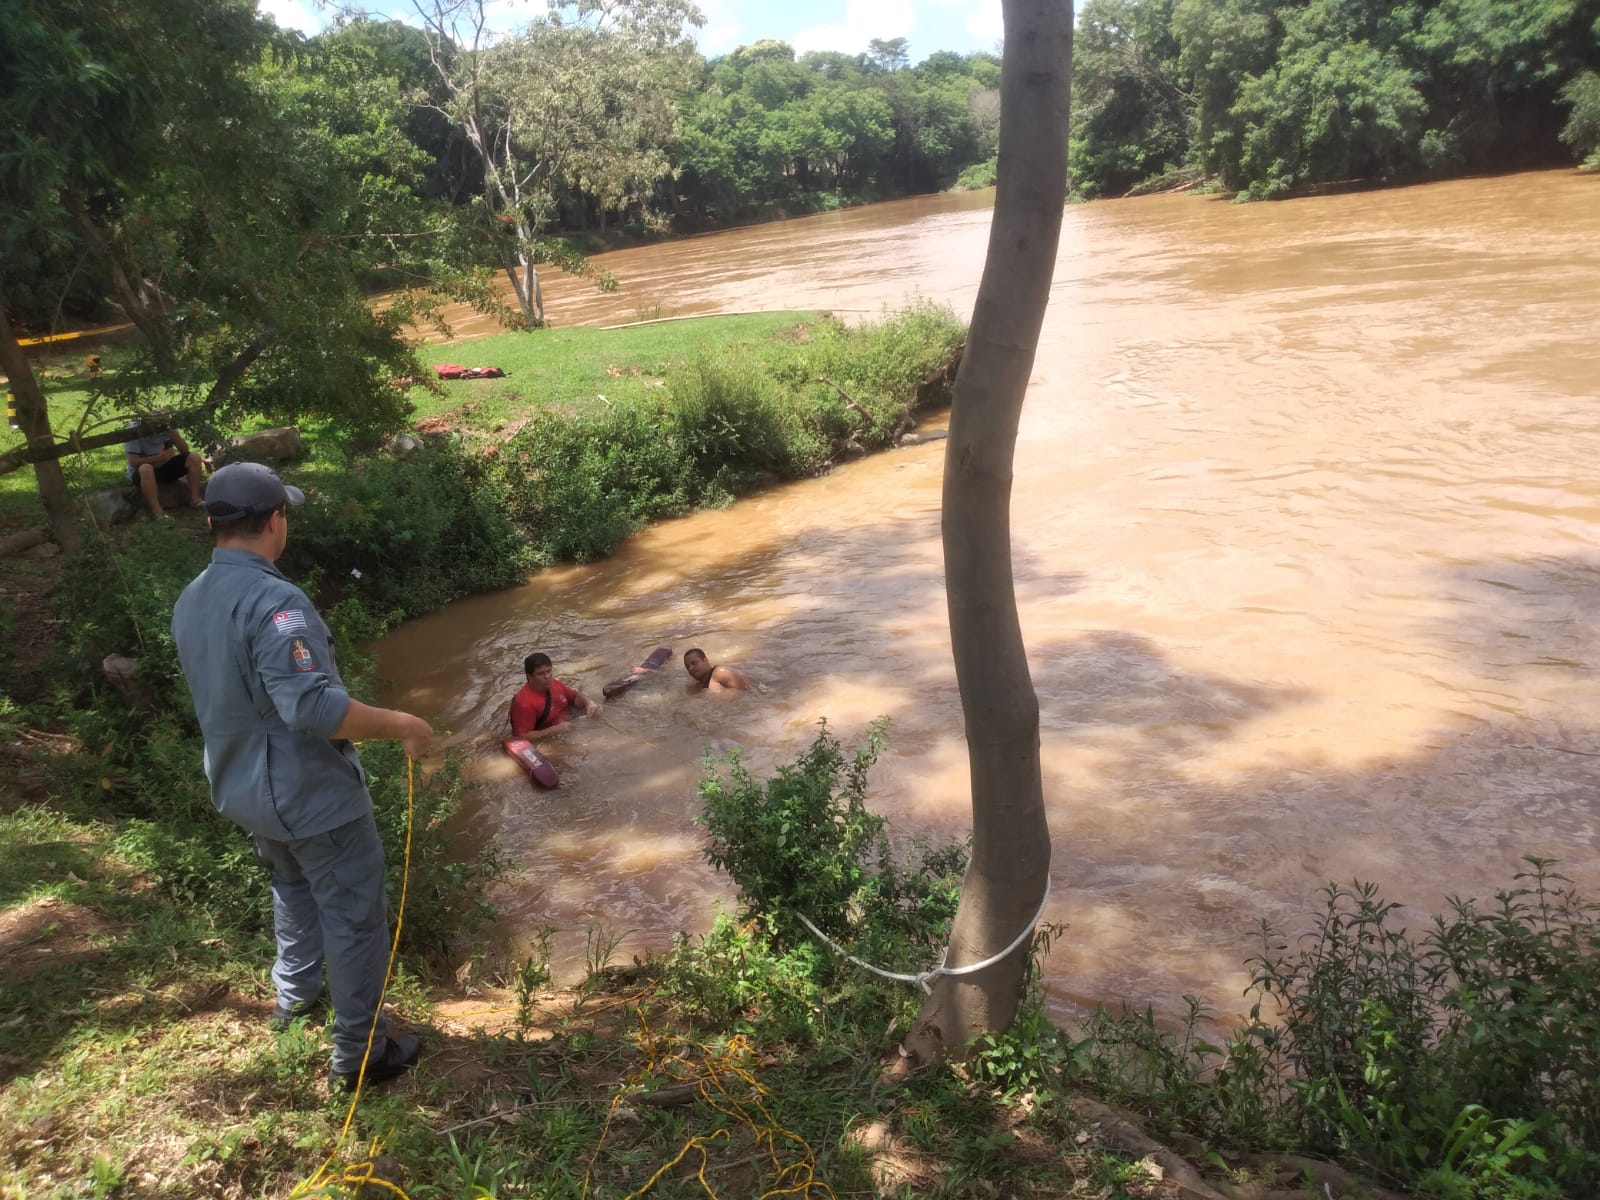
(329, 906)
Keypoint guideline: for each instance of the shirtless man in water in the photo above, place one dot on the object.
(714, 679)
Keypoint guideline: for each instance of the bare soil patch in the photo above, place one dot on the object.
(47, 931)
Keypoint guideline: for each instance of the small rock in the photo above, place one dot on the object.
(270, 445)
(110, 506)
(119, 666)
(406, 444)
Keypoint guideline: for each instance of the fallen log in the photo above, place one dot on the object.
(27, 539)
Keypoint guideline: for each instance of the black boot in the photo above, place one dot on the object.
(397, 1056)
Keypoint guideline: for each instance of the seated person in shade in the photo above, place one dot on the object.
(162, 457)
(714, 679)
(544, 705)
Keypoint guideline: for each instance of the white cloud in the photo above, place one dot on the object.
(985, 24)
(864, 20)
(294, 14)
(722, 30)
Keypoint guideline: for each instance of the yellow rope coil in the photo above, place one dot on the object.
(797, 1178)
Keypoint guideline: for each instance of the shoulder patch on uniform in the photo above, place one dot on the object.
(290, 620)
(300, 655)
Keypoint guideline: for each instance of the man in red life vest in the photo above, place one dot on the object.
(544, 705)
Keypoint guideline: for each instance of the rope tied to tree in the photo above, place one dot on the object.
(924, 979)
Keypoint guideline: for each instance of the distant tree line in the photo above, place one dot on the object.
(238, 192)
(1268, 97)
(656, 138)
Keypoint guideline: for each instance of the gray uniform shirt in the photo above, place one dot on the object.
(267, 692)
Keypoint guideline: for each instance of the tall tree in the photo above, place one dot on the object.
(586, 95)
(1339, 103)
(88, 93)
(1010, 869)
(1130, 111)
(34, 419)
(230, 190)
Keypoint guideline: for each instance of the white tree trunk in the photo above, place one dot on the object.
(1010, 837)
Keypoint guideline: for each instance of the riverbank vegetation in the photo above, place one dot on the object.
(1457, 1060)
(1271, 97)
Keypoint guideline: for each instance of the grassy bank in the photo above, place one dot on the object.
(1458, 1061)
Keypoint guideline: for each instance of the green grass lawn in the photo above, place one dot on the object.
(66, 384)
(573, 367)
(544, 368)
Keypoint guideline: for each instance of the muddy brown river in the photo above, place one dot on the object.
(1306, 522)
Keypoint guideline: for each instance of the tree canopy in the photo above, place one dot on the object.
(1273, 95)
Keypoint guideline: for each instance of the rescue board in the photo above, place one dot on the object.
(535, 764)
(655, 662)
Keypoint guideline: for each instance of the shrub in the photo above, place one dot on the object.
(1582, 130)
(978, 175)
(580, 484)
(804, 842)
(1463, 1059)
(733, 421)
(877, 365)
(116, 597)
(421, 530)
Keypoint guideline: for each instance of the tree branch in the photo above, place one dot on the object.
(847, 398)
(140, 425)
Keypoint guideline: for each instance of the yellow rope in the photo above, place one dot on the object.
(351, 1173)
(794, 1179)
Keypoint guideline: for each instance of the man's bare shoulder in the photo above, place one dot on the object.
(731, 679)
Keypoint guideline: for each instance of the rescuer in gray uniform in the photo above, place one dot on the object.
(278, 726)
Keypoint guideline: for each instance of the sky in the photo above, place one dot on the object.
(845, 25)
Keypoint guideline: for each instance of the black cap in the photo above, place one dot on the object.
(247, 489)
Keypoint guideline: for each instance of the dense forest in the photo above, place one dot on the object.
(412, 152)
(1268, 97)
(398, 152)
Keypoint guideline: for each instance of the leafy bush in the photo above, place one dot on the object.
(579, 483)
(421, 530)
(737, 977)
(116, 597)
(1463, 1059)
(879, 365)
(978, 175)
(1476, 1043)
(1582, 130)
(804, 843)
(732, 421)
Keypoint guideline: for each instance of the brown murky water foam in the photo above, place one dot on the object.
(1306, 530)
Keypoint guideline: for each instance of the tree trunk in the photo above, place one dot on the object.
(150, 318)
(1010, 837)
(34, 416)
(524, 277)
